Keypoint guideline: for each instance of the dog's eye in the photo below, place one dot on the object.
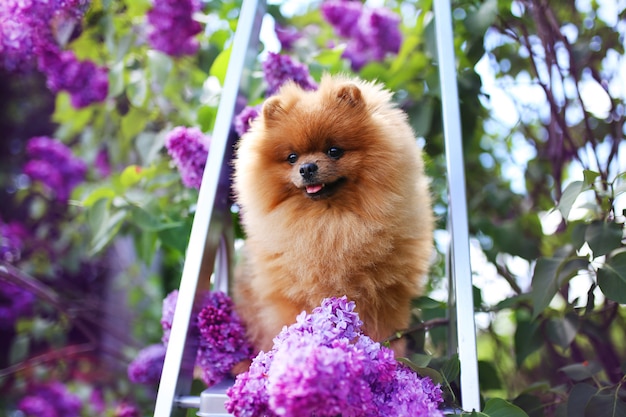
(292, 158)
(334, 152)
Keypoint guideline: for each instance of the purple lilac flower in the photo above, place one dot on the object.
(28, 37)
(222, 338)
(189, 149)
(83, 80)
(287, 36)
(102, 163)
(167, 315)
(12, 236)
(372, 32)
(245, 118)
(15, 302)
(221, 334)
(278, 69)
(26, 26)
(52, 400)
(127, 410)
(53, 164)
(173, 28)
(324, 365)
(146, 368)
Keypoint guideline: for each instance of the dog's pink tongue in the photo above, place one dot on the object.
(312, 189)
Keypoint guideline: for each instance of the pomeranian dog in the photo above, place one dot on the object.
(334, 201)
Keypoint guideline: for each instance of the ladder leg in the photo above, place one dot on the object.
(210, 220)
(461, 296)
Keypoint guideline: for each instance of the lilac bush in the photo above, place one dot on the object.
(324, 365)
(189, 149)
(173, 28)
(29, 33)
(278, 69)
(220, 332)
(147, 366)
(50, 400)
(53, 164)
(15, 303)
(12, 236)
(244, 118)
(372, 33)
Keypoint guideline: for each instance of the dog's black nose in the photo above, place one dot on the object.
(308, 170)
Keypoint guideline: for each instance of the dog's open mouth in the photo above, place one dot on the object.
(321, 190)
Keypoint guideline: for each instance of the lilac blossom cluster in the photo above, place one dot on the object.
(29, 30)
(244, 118)
(372, 33)
(323, 365)
(189, 149)
(147, 366)
(173, 28)
(51, 400)
(222, 338)
(85, 82)
(221, 341)
(53, 164)
(15, 303)
(278, 69)
(12, 236)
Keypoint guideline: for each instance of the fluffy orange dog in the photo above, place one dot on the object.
(334, 202)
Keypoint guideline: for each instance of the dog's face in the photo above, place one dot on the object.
(317, 145)
(325, 148)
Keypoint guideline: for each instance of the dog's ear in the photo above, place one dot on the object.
(272, 109)
(350, 94)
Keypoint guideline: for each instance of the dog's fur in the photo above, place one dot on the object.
(366, 234)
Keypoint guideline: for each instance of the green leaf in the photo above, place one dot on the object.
(569, 196)
(590, 177)
(578, 398)
(422, 371)
(220, 65)
(605, 405)
(488, 376)
(133, 122)
(527, 337)
(482, 18)
(549, 275)
(98, 194)
(130, 176)
(562, 331)
(581, 371)
(206, 117)
(451, 368)
(137, 88)
(612, 278)
(104, 224)
(497, 407)
(603, 237)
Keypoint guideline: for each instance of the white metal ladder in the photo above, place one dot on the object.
(211, 240)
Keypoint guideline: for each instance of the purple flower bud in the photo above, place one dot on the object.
(126, 409)
(15, 302)
(173, 28)
(287, 36)
(222, 338)
(244, 118)
(146, 368)
(51, 400)
(189, 149)
(371, 33)
(278, 69)
(12, 236)
(53, 164)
